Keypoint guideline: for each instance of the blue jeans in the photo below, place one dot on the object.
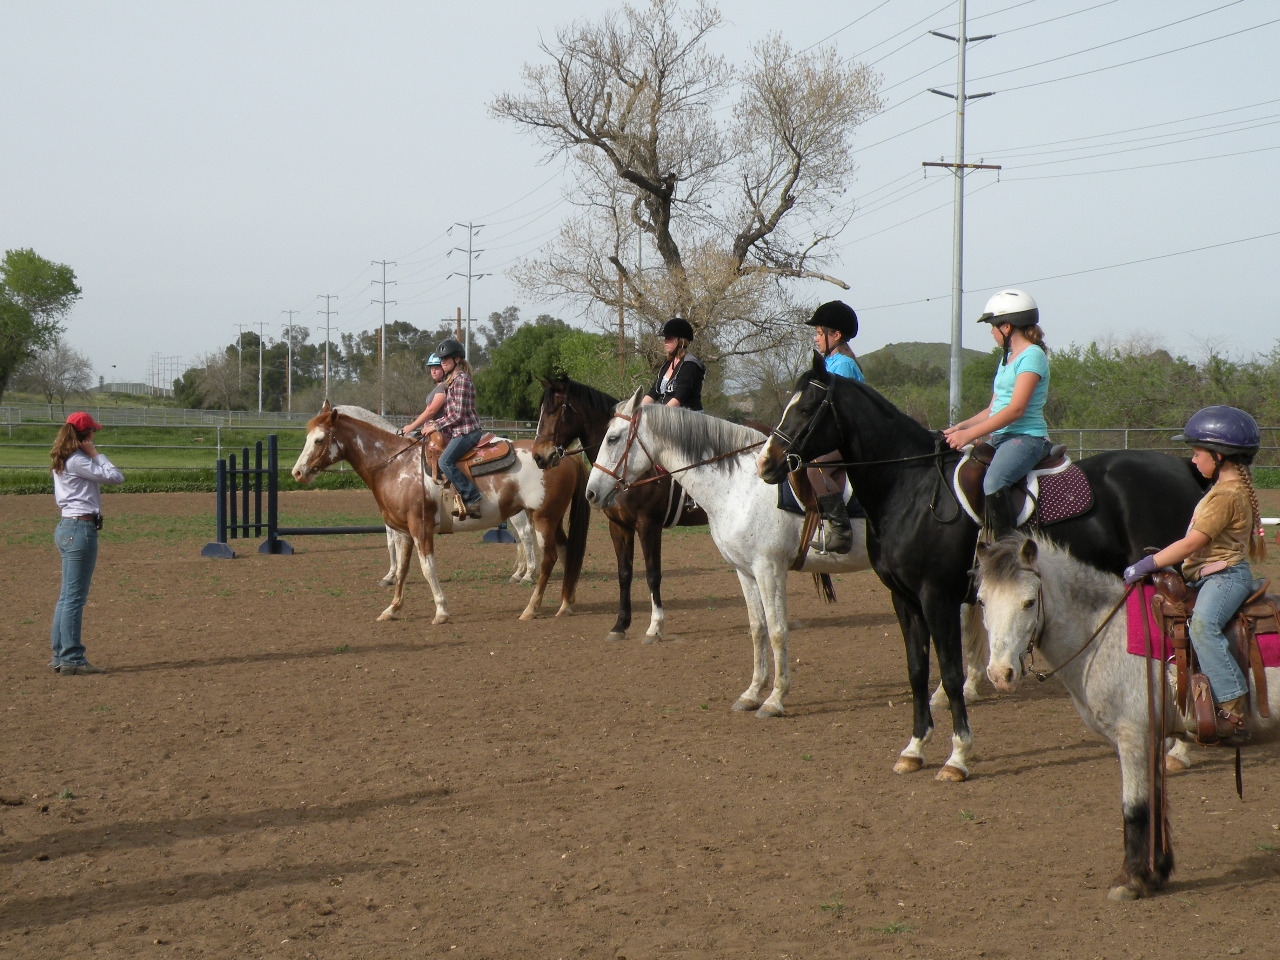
(1015, 455)
(77, 541)
(1220, 596)
(455, 449)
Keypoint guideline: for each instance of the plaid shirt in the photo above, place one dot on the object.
(459, 415)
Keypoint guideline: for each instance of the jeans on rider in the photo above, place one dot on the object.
(77, 541)
(1015, 455)
(456, 447)
(1220, 597)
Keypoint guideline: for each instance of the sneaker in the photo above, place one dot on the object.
(78, 669)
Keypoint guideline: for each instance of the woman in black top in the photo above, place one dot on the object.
(679, 382)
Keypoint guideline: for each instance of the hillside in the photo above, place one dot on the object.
(936, 355)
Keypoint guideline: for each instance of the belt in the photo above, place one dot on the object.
(87, 516)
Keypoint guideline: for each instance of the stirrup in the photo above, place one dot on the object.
(1231, 727)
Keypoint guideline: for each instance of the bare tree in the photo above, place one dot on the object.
(727, 210)
(57, 371)
(218, 379)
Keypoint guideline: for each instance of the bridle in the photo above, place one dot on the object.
(561, 449)
(619, 472)
(1029, 653)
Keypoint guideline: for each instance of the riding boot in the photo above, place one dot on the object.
(837, 534)
(1000, 520)
(1230, 718)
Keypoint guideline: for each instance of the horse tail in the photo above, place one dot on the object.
(826, 588)
(579, 522)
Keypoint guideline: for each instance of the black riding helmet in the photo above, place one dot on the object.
(836, 315)
(679, 328)
(450, 348)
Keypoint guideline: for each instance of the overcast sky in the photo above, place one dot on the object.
(204, 165)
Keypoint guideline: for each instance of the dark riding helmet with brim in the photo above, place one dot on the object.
(1222, 429)
(835, 315)
(679, 328)
(450, 348)
(1013, 307)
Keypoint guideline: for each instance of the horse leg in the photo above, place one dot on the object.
(545, 529)
(427, 560)
(944, 620)
(403, 557)
(651, 546)
(750, 699)
(973, 636)
(395, 543)
(773, 594)
(1137, 878)
(624, 543)
(916, 637)
(525, 550)
(1178, 759)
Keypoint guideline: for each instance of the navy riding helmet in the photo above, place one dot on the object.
(1223, 429)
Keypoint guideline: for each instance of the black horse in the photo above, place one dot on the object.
(572, 413)
(921, 542)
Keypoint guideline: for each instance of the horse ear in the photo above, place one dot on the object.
(819, 364)
(1029, 552)
(546, 384)
(634, 402)
(326, 408)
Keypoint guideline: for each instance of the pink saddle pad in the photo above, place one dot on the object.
(1138, 606)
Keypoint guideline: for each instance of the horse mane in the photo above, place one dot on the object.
(697, 436)
(367, 416)
(1057, 568)
(597, 401)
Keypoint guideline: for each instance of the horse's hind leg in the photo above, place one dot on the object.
(545, 531)
(396, 542)
(526, 549)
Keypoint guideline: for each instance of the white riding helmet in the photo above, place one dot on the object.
(1011, 306)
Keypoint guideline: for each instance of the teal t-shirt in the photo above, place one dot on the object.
(1031, 423)
(844, 366)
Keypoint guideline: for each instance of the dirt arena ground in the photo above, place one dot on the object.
(267, 772)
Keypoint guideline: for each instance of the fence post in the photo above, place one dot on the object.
(219, 549)
(273, 543)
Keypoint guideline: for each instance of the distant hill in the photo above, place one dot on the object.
(936, 355)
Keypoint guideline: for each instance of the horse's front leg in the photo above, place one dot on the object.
(915, 635)
(751, 697)
(651, 545)
(773, 595)
(545, 534)
(943, 616)
(403, 558)
(1140, 874)
(427, 560)
(973, 634)
(397, 543)
(624, 542)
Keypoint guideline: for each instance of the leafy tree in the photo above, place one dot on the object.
(508, 387)
(35, 296)
(723, 206)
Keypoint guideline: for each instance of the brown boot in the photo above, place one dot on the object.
(1230, 717)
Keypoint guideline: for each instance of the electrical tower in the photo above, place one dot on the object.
(327, 314)
(472, 229)
(382, 336)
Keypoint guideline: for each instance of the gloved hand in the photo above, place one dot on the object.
(1134, 573)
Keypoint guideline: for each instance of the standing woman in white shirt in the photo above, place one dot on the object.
(79, 471)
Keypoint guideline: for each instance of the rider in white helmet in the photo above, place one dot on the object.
(1015, 417)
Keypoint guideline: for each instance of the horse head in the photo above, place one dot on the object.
(553, 430)
(321, 449)
(1011, 592)
(806, 430)
(622, 458)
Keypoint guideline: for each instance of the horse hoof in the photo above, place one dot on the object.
(952, 774)
(565, 611)
(652, 638)
(743, 705)
(514, 579)
(616, 635)
(768, 711)
(1174, 765)
(529, 615)
(385, 582)
(1122, 894)
(440, 618)
(908, 765)
(387, 615)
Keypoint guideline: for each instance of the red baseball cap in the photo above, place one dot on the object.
(83, 422)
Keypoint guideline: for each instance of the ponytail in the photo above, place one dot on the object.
(1257, 541)
(65, 444)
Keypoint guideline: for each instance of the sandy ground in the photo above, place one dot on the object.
(267, 772)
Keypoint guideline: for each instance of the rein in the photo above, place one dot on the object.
(619, 473)
(1093, 636)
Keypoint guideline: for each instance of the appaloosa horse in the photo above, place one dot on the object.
(410, 500)
(922, 543)
(574, 413)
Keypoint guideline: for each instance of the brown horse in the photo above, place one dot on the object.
(410, 500)
(575, 413)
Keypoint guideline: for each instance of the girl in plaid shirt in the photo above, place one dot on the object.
(459, 424)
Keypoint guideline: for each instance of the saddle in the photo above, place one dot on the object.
(490, 455)
(1055, 488)
(1172, 605)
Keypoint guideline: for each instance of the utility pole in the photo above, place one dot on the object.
(382, 337)
(472, 229)
(240, 355)
(262, 324)
(288, 368)
(327, 313)
(957, 230)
